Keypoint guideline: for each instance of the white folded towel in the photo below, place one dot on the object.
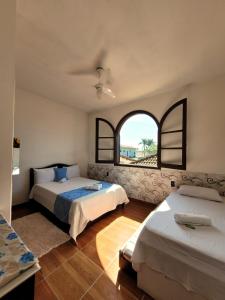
(192, 219)
(94, 187)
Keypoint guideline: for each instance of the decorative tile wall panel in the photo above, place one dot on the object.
(153, 185)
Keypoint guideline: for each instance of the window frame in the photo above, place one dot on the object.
(183, 130)
(97, 137)
(117, 140)
(160, 164)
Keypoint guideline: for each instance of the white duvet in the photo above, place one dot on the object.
(84, 209)
(193, 257)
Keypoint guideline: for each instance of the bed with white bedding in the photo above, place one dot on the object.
(84, 209)
(176, 262)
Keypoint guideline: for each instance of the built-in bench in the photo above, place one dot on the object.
(18, 265)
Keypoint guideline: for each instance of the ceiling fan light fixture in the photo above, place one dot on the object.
(107, 91)
(99, 92)
(100, 71)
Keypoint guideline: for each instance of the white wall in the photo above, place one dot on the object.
(206, 122)
(7, 91)
(49, 133)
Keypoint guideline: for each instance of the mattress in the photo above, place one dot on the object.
(183, 254)
(84, 209)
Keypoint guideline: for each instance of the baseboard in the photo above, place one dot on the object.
(22, 204)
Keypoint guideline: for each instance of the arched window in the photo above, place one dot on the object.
(137, 140)
(140, 140)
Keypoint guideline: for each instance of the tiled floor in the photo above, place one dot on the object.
(90, 270)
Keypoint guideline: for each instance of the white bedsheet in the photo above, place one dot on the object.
(84, 209)
(194, 258)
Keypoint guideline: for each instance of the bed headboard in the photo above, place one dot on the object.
(57, 165)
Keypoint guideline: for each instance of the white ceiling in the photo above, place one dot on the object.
(152, 46)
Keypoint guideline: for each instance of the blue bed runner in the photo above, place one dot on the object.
(64, 200)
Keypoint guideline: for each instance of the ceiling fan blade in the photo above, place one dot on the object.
(81, 72)
(108, 91)
(98, 63)
(108, 76)
(100, 59)
(99, 93)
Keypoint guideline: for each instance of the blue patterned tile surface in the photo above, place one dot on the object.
(15, 257)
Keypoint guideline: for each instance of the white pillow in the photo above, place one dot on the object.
(43, 175)
(200, 192)
(73, 171)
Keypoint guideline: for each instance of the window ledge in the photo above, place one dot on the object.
(135, 166)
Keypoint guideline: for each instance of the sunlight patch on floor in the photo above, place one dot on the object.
(122, 221)
(111, 239)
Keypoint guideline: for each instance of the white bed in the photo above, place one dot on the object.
(85, 209)
(189, 264)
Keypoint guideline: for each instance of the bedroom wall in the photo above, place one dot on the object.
(49, 133)
(205, 142)
(7, 92)
(206, 122)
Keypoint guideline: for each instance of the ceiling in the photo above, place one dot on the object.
(152, 46)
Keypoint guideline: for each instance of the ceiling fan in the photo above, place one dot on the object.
(100, 87)
(103, 74)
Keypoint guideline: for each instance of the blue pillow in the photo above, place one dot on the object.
(60, 173)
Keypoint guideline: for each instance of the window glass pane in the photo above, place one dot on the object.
(172, 139)
(105, 154)
(138, 141)
(106, 143)
(171, 156)
(105, 129)
(173, 120)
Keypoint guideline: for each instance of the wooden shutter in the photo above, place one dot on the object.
(105, 141)
(173, 136)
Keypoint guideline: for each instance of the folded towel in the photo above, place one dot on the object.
(94, 187)
(193, 219)
(63, 180)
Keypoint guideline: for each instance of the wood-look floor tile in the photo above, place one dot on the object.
(100, 252)
(122, 279)
(112, 242)
(65, 251)
(56, 257)
(115, 284)
(85, 237)
(43, 292)
(38, 278)
(74, 277)
(127, 230)
(122, 220)
(91, 268)
(104, 289)
(49, 263)
(117, 237)
(101, 224)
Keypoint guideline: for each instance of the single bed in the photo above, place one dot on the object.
(84, 209)
(176, 262)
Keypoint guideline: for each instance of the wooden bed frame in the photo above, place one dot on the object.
(37, 206)
(57, 165)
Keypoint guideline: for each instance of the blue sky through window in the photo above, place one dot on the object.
(137, 127)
